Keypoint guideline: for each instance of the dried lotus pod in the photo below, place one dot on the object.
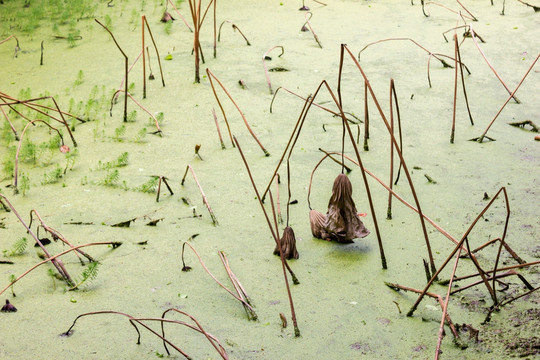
(8, 307)
(316, 220)
(288, 244)
(166, 17)
(342, 222)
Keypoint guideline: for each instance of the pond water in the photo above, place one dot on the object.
(343, 308)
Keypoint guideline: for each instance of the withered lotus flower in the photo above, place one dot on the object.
(8, 307)
(316, 220)
(166, 17)
(342, 222)
(288, 244)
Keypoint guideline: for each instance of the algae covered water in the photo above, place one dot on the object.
(343, 307)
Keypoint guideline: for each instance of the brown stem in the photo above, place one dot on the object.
(291, 304)
(463, 83)
(506, 246)
(157, 52)
(430, 54)
(181, 17)
(244, 302)
(210, 76)
(455, 93)
(473, 35)
(264, 64)
(241, 33)
(218, 131)
(215, 41)
(164, 180)
(481, 137)
(398, 149)
(274, 233)
(143, 57)
(211, 338)
(158, 131)
(356, 120)
(58, 236)
(310, 28)
(458, 247)
(438, 297)
(278, 206)
(437, 227)
(393, 92)
(238, 287)
(445, 306)
(470, 16)
(296, 129)
(126, 67)
(205, 201)
(54, 259)
(366, 117)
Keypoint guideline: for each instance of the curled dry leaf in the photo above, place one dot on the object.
(288, 244)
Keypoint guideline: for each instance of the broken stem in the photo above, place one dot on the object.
(205, 201)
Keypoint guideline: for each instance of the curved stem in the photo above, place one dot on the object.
(264, 64)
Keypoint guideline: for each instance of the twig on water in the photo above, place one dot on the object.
(205, 201)
(397, 287)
